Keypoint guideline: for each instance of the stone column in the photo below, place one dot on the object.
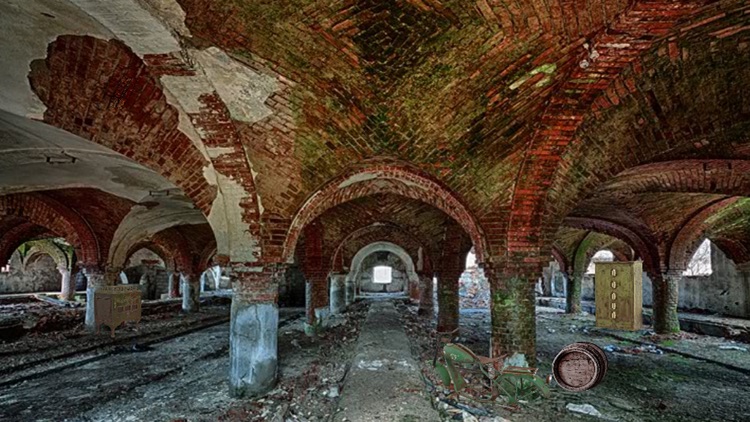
(173, 287)
(68, 288)
(425, 295)
(317, 308)
(254, 326)
(338, 293)
(665, 295)
(351, 293)
(512, 308)
(573, 293)
(448, 306)
(95, 279)
(191, 292)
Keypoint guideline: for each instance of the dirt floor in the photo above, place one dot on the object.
(643, 383)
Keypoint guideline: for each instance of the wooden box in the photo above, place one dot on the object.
(619, 295)
(114, 305)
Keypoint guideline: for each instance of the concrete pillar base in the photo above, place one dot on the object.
(190, 293)
(338, 294)
(350, 292)
(253, 342)
(94, 280)
(68, 290)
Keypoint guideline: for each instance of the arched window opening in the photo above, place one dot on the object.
(381, 275)
(471, 260)
(700, 263)
(600, 256)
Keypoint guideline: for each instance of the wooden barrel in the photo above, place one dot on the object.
(580, 366)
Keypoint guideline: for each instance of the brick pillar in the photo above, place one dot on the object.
(173, 287)
(68, 287)
(426, 305)
(338, 293)
(191, 291)
(665, 295)
(253, 329)
(448, 307)
(317, 308)
(512, 308)
(573, 293)
(316, 268)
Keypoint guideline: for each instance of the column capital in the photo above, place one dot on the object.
(743, 267)
(256, 282)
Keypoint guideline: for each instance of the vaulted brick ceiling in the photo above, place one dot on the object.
(454, 87)
(414, 219)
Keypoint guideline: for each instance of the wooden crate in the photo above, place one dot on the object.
(115, 305)
(619, 295)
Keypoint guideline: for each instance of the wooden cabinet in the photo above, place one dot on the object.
(114, 305)
(619, 295)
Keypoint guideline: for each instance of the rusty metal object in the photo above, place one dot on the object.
(115, 305)
(580, 366)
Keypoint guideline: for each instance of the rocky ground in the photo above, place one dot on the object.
(185, 379)
(51, 332)
(644, 383)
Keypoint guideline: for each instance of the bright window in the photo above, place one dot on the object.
(601, 256)
(700, 264)
(381, 275)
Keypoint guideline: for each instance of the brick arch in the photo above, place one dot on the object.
(644, 249)
(648, 114)
(692, 233)
(530, 223)
(101, 102)
(156, 248)
(58, 219)
(15, 236)
(116, 99)
(46, 247)
(387, 232)
(398, 179)
(401, 253)
(561, 259)
(714, 176)
(738, 251)
(593, 243)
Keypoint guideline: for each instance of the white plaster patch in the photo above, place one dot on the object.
(187, 90)
(131, 23)
(184, 96)
(243, 90)
(380, 364)
(232, 233)
(26, 29)
(214, 152)
(171, 13)
(357, 178)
